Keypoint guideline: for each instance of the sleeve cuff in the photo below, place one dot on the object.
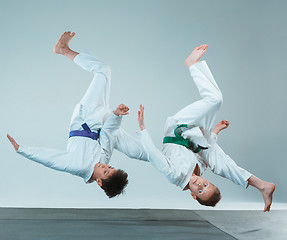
(141, 132)
(116, 116)
(20, 149)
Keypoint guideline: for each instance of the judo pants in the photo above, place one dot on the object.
(93, 108)
(200, 117)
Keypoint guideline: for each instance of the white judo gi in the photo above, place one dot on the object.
(82, 152)
(177, 162)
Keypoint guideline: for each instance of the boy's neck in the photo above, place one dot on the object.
(196, 172)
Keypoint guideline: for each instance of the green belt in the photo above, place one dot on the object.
(179, 140)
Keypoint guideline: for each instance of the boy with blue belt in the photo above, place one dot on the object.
(94, 131)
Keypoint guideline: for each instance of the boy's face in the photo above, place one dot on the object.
(103, 171)
(201, 188)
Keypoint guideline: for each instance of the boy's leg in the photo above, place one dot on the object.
(98, 92)
(221, 164)
(266, 189)
(94, 106)
(62, 46)
(201, 113)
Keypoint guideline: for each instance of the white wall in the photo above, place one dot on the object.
(146, 43)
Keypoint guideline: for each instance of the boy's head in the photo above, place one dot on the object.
(203, 191)
(112, 181)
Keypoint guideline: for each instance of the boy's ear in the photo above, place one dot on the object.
(99, 182)
(193, 195)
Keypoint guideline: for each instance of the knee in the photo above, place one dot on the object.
(102, 69)
(217, 100)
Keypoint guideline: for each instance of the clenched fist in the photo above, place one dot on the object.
(121, 110)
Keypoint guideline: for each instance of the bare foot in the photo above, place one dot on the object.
(196, 54)
(62, 45)
(220, 126)
(267, 193)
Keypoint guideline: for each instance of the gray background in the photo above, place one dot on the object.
(146, 43)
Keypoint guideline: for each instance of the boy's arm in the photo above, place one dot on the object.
(52, 158)
(130, 146)
(113, 123)
(110, 129)
(156, 157)
(123, 142)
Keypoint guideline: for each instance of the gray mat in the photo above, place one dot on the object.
(98, 214)
(56, 224)
(249, 225)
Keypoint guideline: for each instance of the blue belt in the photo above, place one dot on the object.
(85, 133)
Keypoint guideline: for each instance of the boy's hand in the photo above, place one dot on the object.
(121, 110)
(13, 142)
(141, 118)
(220, 126)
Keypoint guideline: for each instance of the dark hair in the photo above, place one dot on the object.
(115, 184)
(213, 200)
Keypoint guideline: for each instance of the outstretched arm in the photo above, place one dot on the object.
(52, 158)
(131, 146)
(156, 157)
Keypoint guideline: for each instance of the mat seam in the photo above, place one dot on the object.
(215, 226)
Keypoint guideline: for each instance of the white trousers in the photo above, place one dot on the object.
(221, 164)
(94, 109)
(94, 106)
(200, 117)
